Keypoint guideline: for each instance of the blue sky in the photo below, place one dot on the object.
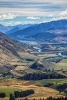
(14, 12)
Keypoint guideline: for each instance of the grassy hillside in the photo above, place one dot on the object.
(44, 71)
(12, 51)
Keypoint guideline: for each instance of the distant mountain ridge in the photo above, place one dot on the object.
(17, 28)
(3, 28)
(43, 32)
(11, 29)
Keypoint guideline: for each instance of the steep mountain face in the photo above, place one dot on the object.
(44, 31)
(10, 49)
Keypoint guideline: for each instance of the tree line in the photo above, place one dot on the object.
(59, 98)
(21, 94)
(62, 87)
(25, 93)
(40, 76)
(50, 98)
(2, 95)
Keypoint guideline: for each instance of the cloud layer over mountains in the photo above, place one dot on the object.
(32, 11)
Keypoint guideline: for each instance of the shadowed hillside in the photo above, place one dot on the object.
(10, 49)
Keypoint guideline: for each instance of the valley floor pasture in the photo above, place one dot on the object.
(10, 85)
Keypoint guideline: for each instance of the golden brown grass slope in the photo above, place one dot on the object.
(11, 50)
(40, 92)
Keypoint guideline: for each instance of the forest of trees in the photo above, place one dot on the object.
(39, 76)
(25, 93)
(11, 97)
(21, 94)
(2, 95)
(62, 87)
(50, 98)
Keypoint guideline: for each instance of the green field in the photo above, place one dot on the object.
(8, 90)
(61, 65)
(54, 81)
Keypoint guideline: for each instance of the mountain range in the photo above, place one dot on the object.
(12, 29)
(54, 31)
(17, 28)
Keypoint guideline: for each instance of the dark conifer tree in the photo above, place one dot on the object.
(11, 97)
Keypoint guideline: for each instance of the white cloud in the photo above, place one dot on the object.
(63, 14)
(11, 23)
(31, 17)
(51, 15)
(60, 16)
(7, 16)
